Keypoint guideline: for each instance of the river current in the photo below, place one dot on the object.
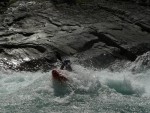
(89, 90)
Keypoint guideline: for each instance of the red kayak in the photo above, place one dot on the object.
(57, 75)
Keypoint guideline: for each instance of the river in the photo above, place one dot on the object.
(90, 91)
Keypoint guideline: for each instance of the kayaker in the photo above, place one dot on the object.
(65, 64)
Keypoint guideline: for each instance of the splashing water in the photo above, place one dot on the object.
(89, 90)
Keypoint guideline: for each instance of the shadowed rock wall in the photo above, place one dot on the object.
(32, 32)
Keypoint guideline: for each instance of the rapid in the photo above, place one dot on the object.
(90, 90)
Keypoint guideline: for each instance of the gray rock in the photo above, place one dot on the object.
(32, 32)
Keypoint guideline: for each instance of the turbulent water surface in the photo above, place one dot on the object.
(90, 91)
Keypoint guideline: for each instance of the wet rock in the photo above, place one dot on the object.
(141, 64)
(70, 2)
(99, 56)
(127, 37)
(31, 33)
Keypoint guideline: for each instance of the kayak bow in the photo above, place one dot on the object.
(57, 75)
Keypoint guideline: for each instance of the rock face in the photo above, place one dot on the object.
(31, 32)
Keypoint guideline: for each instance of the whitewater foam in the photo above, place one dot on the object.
(39, 95)
(123, 91)
(15, 81)
(83, 80)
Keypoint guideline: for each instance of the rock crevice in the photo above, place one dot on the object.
(108, 41)
(17, 46)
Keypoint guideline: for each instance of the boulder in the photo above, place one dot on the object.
(96, 37)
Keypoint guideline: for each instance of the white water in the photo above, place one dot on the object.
(89, 91)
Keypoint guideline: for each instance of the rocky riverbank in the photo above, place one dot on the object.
(32, 31)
